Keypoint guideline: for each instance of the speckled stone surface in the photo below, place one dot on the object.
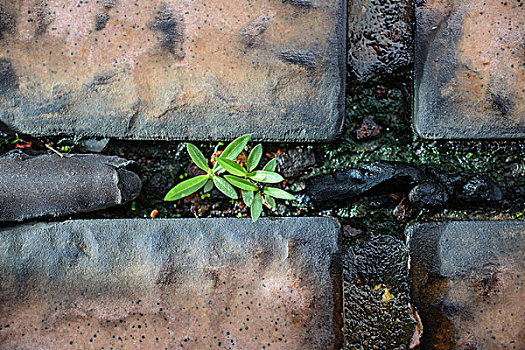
(469, 284)
(186, 283)
(470, 69)
(377, 295)
(380, 37)
(174, 69)
(50, 186)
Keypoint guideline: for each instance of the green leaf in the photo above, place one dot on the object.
(232, 167)
(197, 157)
(270, 201)
(241, 183)
(256, 208)
(254, 158)
(186, 188)
(271, 165)
(266, 176)
(247, 197)
(225, 187)
(278, 193)
(209, 186)
(234, 149)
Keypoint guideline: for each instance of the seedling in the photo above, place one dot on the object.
(251, 183)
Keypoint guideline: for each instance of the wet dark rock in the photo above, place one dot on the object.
(380, 37)
(429, 195)
(468, 284)
(159, 184)
(47, 185)
(479, 189)
(370, 178)
(368, 130)
(376, 295)
(294, 162)
(185, 283)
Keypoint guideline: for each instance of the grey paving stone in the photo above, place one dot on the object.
(470, 69)
(380, 37)
(174, 69)
(469, 284)
(47, 185)
(191, 283)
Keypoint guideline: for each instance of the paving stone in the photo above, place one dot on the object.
(377, 296)
(470, 69)
(48, 185)
(380, 37)
(468, 284)
(174, 69)
(192, 283)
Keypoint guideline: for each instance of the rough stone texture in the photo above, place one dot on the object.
(380, 37)
(470, 69)
(376, 292)
(295, 162)
(187, 283)
(47, 185)
(468, 283)
(174, 69)
(373, 177)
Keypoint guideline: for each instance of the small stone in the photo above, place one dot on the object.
(468, 284)
(368, 130)
(94, 145)
(479, 189)
(351, 232)
(295, 162)
(429, 195)
(48, 185)
(371, 178)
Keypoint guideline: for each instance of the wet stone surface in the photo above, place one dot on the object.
(48, 185)
(470, 69)
(174, 69)
(191, 283)
(376, 289)
(468, 284)
(370, 177)
(380, 37)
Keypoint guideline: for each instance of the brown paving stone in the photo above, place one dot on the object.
(468, 284)
(470, 69)
(173, 69)
(156, 284)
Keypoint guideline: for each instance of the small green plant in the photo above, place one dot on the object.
(252, 183)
